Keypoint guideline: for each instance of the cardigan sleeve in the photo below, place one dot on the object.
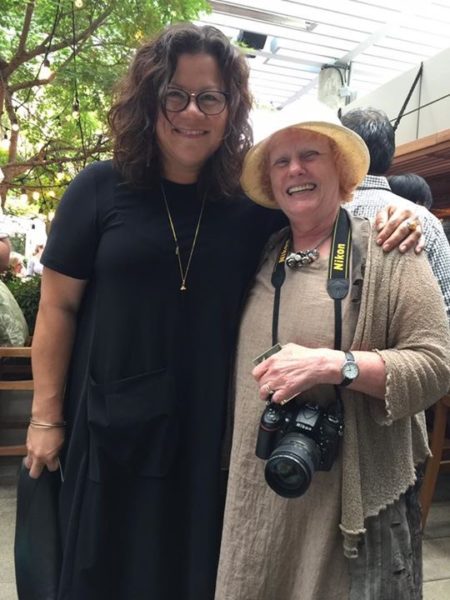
(410, 332)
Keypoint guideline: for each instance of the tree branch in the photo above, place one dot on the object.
(12, 153)
(30, 84)
(2, 94)
(42, 48)
(40, 159)
(26, 27)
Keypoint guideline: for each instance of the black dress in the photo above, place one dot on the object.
(146, 398)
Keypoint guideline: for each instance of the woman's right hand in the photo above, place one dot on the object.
(43, 447)
(50, 356)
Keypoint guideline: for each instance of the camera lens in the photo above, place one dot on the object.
(291, 465)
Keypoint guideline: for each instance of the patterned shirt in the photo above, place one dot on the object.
(374, 193)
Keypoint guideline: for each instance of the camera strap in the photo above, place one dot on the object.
(338, 283)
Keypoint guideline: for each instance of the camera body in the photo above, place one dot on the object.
(297, 440)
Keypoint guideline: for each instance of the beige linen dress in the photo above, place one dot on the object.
(286, 549)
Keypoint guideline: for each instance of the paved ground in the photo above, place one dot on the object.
(436, 539)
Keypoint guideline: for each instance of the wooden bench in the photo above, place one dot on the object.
(15, 375)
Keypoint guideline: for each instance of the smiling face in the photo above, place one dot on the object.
(191, 137)
(303, 176)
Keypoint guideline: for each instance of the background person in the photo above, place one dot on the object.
(5, 249)
(374, 193)
(16, 264)
(13, 326)
(35, 266)
(145, 271)
(292, 547)
(412, 187)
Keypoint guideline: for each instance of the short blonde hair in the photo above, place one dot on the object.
(15, 259)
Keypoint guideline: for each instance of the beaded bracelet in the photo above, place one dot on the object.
(43, 425)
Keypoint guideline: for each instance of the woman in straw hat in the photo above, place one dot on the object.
(328, 508)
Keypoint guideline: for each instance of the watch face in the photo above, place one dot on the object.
(350, 370)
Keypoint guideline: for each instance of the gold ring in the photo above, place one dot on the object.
(411, 224)
(269, 390)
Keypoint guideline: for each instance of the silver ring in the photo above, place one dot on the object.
(269, 390)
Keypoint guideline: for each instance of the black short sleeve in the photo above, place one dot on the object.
(73, 239)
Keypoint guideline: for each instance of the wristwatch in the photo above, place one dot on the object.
(350, 370)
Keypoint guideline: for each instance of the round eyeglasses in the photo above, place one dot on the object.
(209, 102)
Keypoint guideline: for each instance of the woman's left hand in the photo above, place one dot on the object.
(399, 226)
(295, 369)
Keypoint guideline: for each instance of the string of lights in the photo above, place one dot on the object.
(76, 113)
(44, 68)
(13, 109)
(38, 117)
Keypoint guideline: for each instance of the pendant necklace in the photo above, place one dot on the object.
(183, 272)
(297, 260)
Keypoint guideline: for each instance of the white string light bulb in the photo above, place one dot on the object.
(4, 144)
(45, 72)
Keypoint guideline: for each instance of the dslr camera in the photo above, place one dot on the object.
(296, 440)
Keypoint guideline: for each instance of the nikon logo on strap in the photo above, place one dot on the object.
(338, 283)
(339, 258)
(283, 252)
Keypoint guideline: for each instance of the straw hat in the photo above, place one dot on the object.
(318, 118)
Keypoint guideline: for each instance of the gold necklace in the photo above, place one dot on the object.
(183, 272)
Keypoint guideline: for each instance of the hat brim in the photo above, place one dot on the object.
(351, 146)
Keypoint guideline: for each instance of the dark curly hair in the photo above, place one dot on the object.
(132, 118)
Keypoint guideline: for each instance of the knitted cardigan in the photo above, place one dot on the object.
(402, 309)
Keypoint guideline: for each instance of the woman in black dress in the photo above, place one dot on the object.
(145, 270)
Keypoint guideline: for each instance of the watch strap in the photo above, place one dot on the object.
(349, 357)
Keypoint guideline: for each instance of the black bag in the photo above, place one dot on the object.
(37, 546)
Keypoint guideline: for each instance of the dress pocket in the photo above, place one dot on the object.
(132, 425)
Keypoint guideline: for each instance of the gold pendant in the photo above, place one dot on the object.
(183, 272)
